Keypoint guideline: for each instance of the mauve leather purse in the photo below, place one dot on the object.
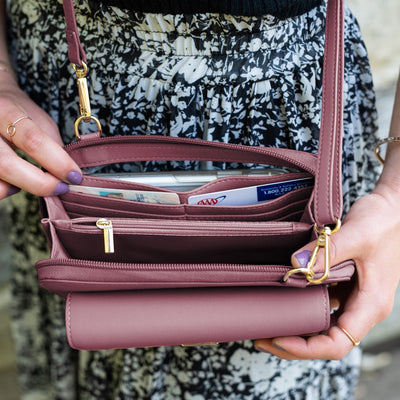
(190, 274)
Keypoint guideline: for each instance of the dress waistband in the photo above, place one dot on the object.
(278, 8)
(209, 34)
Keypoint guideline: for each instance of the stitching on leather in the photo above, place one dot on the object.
(258, 154)
(326, 306)
(330, 136)
(322, 129)
(338, 155)
(317, 195)
(69, 318)
(194, 158)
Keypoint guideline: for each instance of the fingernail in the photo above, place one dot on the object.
(13, 190)
(61, 189)
(279, 347)
(74, 177)
(303, 257)
(261, 349)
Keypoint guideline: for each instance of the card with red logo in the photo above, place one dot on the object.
(249, 195)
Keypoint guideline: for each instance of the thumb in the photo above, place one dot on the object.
(341, 245)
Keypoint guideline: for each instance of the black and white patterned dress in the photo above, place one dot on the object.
(251, 80)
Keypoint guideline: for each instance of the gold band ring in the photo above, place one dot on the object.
(11, 128)
(355, 342)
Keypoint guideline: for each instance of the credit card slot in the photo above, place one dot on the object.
(293, 202)
(75, 203)
(295, 216)
(238, 182)
(151, 241)
(82, 204)
(222, 183)
(185, 180)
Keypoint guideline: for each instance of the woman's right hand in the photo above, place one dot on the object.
(39, 138)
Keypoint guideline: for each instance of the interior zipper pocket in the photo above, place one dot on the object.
(175, 241)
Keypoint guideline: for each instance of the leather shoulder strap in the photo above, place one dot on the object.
(76, 54)
(328, 202)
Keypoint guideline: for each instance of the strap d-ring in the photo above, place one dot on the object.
(86, 119)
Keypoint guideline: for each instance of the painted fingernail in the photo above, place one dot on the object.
(61, 189)
(279, 347)
(262, 349)
(13, 190)
(74, 177)
(303, 257)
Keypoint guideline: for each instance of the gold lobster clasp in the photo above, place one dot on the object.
(84, 101)
(323, 242)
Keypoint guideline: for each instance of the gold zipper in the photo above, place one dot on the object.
(106, 226)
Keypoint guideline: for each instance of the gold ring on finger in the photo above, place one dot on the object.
(11, 127)
(355, 342)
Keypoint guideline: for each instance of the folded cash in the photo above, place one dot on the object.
(133, 195)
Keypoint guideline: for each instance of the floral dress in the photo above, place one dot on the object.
(249, 80)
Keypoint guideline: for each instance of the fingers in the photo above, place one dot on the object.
(368, 301)
(40, 117)
(344, 240)
(27, 134)
(365, 305)
(7, 190)
(19, 173)
(332, 346)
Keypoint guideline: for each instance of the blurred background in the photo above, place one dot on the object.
(380, 377)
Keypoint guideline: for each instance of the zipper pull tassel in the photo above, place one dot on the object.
(106, 226)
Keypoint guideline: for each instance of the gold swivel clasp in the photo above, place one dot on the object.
(84, 101)
(323, 242)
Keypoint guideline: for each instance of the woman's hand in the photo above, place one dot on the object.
(370, 235)
(39, 138)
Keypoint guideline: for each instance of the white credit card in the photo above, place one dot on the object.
(133, 195)
(251, 194)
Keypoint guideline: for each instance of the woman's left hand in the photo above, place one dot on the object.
(370, 235)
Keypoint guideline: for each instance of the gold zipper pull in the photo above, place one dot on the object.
(106, 226)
